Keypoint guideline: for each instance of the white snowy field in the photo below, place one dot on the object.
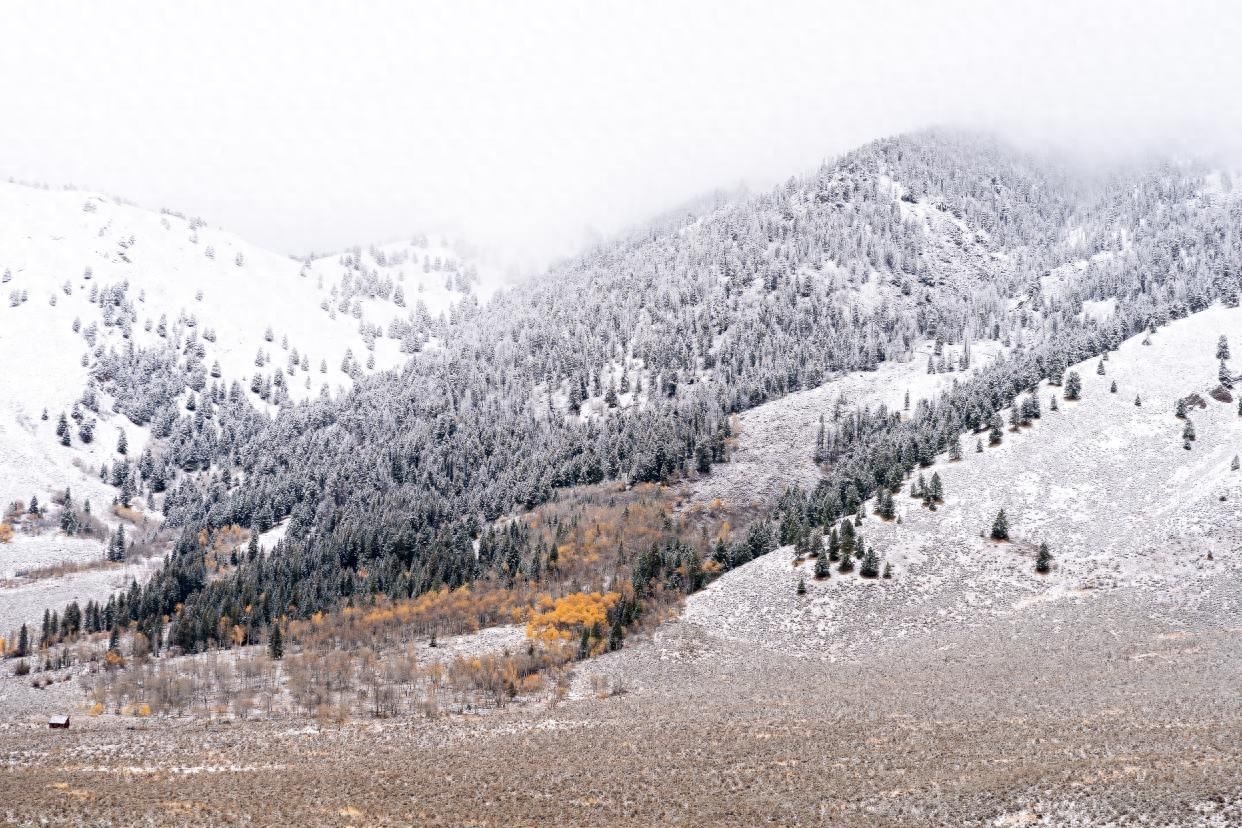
(1107, 484)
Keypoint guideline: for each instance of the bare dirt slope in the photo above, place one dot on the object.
(1137, 717)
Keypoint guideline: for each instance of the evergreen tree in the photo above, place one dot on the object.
(1073, 386)
(955, 450)
(1000, 527)
(116, 547)
(801, 585)
(1138, 401)
(1179, 409)
(995, 431)
(847, 564)
(847, 539)
(1188, 431)
(1222, 348)
(1043, 562)
(1113, 387)
(822, 568)
(1099, 368)
(275, 642)
(122, 444)
(23, 642)
(870, 567)
(936, 489)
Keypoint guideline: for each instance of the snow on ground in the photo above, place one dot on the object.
(1107, 484)
(57, 246)
(25, 602)
(777, 440)
(55, 547)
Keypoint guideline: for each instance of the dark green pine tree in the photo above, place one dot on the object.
(114, 640)
(1188, 431)
(801, 585)
(834, 545)
(1073, 386)
(1113, 388)
(1222, 348)
(1043, 561)
(847, 540)
(275, 642)
(996, 431)
(887, 509)
(1099, 368)
(847, 563)
(870, 567)
(122, 444)
(116, 548)
(1000, 527)
(955, 450)
(822, 568)
(1138, 400)
(23, 642)
(936, 489)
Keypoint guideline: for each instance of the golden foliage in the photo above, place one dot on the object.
(130, 514)
(6, 533)
(569, 615)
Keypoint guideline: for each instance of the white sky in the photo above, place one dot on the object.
(309, 126)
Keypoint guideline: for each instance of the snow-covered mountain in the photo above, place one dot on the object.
(85, 275)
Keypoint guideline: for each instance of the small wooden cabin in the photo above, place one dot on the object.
(58, 722)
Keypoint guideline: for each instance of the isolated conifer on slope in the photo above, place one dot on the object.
(1043, 561)
(1073, 386)
(1000, 527)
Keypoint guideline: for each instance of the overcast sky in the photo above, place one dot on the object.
(309, 126)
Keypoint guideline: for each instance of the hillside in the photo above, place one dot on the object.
(585, 520)
(1106, 483)
(86, 276)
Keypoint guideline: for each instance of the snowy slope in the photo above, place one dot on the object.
(774, 449)
(60, 248)
(1107, 484)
